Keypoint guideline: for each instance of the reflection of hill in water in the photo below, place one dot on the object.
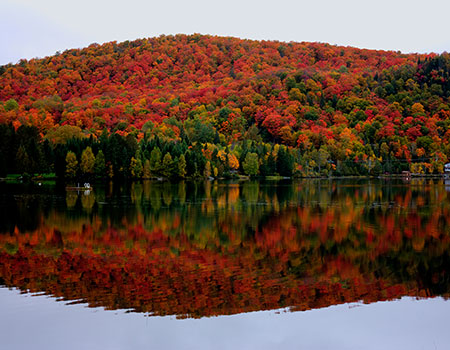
(209, 249)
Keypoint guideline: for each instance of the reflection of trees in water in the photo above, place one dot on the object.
(71, 199)
(246, 246)
(165, 275)
(87, 200)
(20, 212)
(219, 206)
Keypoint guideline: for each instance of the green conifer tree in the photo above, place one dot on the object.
(250, 164)
(155, 161)
(181, 166)
(100, 165)
(23, 163)
(147, 173)
(167, 166)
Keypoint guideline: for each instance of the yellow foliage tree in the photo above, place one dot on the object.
(222, 155)
(87, 161)
(71, 165)
(417, 108)
(233, 162)
(207, 171)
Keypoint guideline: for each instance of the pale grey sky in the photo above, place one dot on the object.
(31, 28)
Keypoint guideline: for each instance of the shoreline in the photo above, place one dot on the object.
(42, 179)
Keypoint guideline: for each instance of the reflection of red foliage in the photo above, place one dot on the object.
(193, 285)
(166, 274)
(196, 262)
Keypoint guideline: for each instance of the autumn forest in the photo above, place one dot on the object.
(190, 106)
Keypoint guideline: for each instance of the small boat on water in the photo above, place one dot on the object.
(86, 187)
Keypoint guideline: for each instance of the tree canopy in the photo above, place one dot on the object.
(343, 109)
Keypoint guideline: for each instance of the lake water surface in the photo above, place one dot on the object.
(314, 264)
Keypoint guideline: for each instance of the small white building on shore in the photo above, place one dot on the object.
(447, 168)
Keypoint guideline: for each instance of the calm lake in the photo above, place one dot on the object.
(307, 264)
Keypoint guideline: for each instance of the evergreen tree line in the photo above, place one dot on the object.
(121, 157)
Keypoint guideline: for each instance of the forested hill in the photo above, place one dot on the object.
(332, 107)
